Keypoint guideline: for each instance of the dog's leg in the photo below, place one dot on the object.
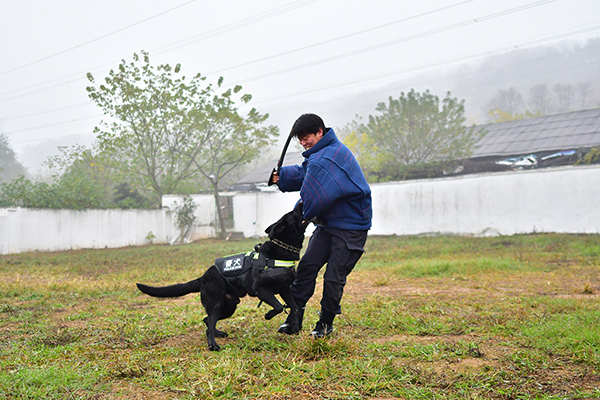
(268, 297)
(211, 327)
(295, 312)
(218, 333)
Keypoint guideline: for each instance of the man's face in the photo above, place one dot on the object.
(309, 140)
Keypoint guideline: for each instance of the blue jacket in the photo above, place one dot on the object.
(331, 184)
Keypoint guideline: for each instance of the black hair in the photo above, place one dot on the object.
(306, 124)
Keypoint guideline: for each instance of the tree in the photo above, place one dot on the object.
(231, 140)
(540, 99)
(498, 115)
(157, 127)
(367, 153)
(509, 100)
(564, 96)
(167, 130)
(416, 129)
(584, 90)
(10, 167)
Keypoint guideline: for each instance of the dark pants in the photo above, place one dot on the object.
(340, 250)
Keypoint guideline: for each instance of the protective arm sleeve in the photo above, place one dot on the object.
(290, 178)
(319, 191)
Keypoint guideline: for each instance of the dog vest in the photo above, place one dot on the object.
(234, 268)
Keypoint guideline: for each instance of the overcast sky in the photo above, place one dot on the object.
(292, 56)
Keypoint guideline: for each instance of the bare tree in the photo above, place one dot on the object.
(540, 99)
(564, 96)
(584, 90)
(509, 100)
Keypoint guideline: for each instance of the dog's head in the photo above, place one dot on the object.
(290, 228)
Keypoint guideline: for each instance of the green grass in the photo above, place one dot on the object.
(423, 318)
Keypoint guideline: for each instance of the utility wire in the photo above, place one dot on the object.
(355, 82)
(232, 27)
(397, 41)
(346, 84)
(206, 35)
(95, 40)
(436, 64)
(340, 37)
(54, 124)
(51, 111)
(360, 81)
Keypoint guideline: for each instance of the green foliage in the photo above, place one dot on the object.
(78, 182)
(232, 140)
(158, 123)
(591, 157)
(185, 214)
(127, 197)
(70, 192)
(415, 132)
(10, 167)
(497, 115)
(168, 130)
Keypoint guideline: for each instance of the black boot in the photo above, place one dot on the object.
(324, 326)
(288, 326)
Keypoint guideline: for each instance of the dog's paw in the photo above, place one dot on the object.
(272, 313)
(214, 346)
(221, 334)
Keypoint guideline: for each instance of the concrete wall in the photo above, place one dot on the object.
(23, 230)
(565, 199)
(206, 214)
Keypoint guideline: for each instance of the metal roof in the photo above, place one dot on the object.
(549, 133)
(262, 174)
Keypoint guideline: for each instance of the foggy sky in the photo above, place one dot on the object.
(292, 56)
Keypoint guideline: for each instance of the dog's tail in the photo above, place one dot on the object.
(180, 289)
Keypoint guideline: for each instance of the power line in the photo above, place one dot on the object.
(412, 69)
(94, 40)
(397, 41)
(341, 37)
(51, 111)
(371, 78)
(52, 137)
(53, 124)
(436, 64)
(203, 36)
(232, 27)
(346, 84)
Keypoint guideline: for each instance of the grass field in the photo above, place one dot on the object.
(424, 318)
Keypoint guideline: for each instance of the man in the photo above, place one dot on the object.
(337, 199)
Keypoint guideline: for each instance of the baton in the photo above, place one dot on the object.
(280, 162)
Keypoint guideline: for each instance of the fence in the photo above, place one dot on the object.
(565, 199)
(23, 230)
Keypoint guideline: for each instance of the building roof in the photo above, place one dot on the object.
(552, 133)
(572, 130)
(257, 179)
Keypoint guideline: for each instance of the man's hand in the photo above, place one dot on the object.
(273, 178)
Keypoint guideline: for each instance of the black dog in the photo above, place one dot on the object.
(257, 274)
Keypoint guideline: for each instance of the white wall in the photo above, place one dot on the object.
(254, 212)
(205, 213)
(565, 199)
(23, 230)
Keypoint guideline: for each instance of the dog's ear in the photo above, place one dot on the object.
(298, 207)
(270, 228)
(277, 227)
